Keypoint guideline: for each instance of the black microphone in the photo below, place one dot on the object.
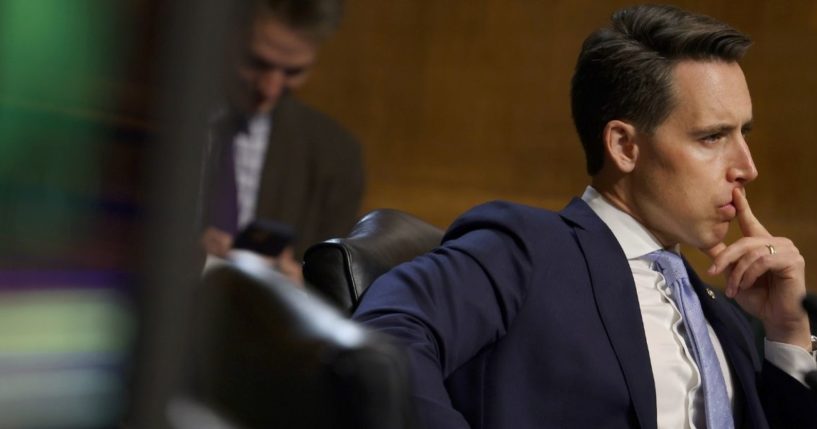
(810, 305)
(811, 308)
(811, 380)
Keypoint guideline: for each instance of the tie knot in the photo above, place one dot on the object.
(669, 264)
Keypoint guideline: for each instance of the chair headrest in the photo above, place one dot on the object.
(342, 269)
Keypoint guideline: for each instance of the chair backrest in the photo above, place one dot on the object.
(266, 354)
(341, 269)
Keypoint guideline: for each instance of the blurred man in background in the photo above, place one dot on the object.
(270, 156)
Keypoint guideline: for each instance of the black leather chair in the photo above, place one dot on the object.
(341, 269)
(265, 354)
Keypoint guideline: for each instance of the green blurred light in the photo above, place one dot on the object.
(52, 50)
(72, 321)
(58, 60)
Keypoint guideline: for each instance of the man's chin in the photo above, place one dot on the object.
(715, 237)
(721, 230)
(251, 107)
(262, 108)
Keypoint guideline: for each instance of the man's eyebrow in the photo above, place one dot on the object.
(721, 128)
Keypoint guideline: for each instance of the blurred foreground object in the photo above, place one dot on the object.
(68, 176)
(265, 354)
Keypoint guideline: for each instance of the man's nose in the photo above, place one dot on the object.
(271, 83)
(743, 168)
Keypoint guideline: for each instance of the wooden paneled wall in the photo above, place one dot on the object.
(462, 101)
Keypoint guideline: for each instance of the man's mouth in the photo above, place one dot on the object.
(728, 210)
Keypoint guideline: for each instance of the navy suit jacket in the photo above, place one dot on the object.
(526, 318)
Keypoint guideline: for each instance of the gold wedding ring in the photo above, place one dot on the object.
(771, 249)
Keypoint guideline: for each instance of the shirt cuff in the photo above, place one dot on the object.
(793, 360)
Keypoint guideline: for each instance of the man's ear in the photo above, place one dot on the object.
(620, 146)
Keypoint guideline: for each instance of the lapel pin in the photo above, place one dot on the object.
(710, 293)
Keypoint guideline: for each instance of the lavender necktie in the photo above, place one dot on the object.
(718, 409)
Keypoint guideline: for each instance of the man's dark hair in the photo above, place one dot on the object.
(317, 19)
(624, 71)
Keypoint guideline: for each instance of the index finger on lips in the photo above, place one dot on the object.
(750, 226)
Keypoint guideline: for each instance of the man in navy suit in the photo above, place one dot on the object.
(526, 318)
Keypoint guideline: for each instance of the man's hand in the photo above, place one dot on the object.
(286, 264)
(216, 242)
(766, 276)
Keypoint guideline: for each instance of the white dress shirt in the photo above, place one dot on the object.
(250, 153)
(679, 397)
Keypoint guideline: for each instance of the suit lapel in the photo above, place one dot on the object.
(614, 291)
(281, 184)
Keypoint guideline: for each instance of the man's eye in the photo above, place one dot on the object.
(712, 138)
(293, 71)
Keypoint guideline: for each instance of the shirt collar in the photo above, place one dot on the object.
(259, 124)
(633, 237)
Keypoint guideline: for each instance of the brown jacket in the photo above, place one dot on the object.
(313, 175)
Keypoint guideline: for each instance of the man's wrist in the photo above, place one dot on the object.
(798, 335)
(791, 359)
